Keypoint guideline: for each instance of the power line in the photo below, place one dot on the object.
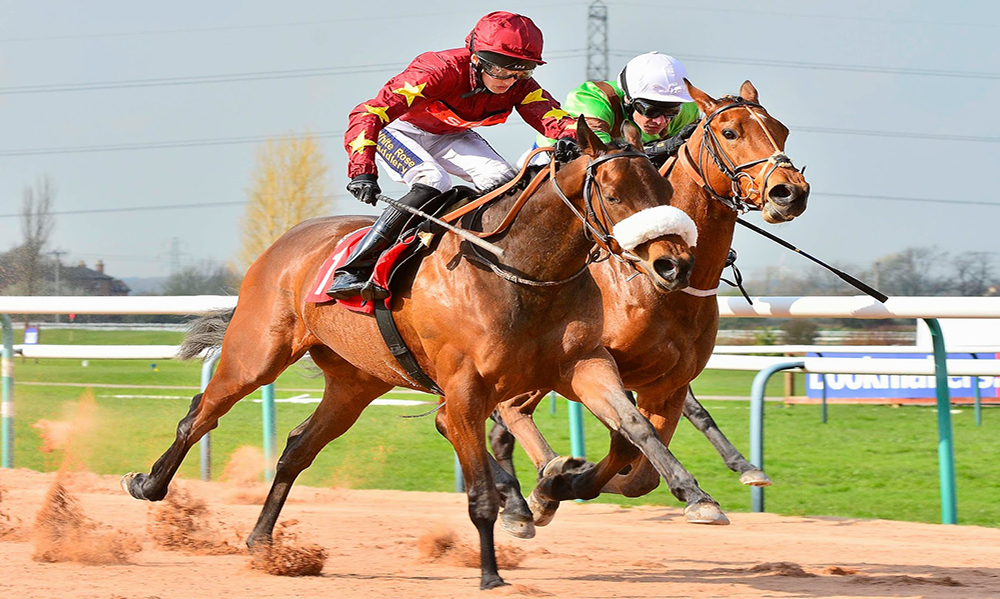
(904, 134)
(156, 145)
(761, 13)
(232, 77)
(866, 196)
(816, 66)
(137, 209)
(255, 139)
(243, 203)
(384, 67)
(381, 18)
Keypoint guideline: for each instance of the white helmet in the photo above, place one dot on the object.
(654, 77)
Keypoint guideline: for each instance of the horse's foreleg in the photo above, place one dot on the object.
(248, 361)
(699, 506)
(464, 427)
(515, 517)
(596, 383)
(339, 409)
(703, 421)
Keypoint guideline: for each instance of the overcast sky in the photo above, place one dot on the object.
(147, 116)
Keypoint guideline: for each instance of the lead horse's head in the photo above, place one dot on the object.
(747, 147)
(627, 211)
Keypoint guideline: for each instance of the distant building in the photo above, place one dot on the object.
(92, 281)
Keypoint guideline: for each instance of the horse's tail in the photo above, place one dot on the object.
(205, 333)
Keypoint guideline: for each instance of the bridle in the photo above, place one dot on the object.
(595, 227)
(746, 189)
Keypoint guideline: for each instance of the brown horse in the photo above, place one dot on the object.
(661, 342)
(480, 337)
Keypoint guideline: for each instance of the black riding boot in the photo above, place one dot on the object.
(351, 278)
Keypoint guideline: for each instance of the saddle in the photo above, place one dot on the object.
(417, 237)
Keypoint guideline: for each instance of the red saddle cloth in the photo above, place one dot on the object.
(380, 276)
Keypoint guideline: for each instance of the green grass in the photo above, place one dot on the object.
(867, 462)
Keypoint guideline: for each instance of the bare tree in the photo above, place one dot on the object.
(37, 223)
(913, 271)
(206, 278)
(289, 186)
(974, 273)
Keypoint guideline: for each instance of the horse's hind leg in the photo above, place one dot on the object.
(249, 359)
(703, 421)
(347, 393)
(463, 423)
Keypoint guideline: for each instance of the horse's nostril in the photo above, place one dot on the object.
(781, 194)
(665, 267)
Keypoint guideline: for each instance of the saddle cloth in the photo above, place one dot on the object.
(380, 274)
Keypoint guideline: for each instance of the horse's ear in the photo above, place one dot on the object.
(748, 92)
(632, 135)
(706, 103)
(588, 141)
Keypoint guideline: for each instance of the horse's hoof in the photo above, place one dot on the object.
(543, 510)
(517, 527)
(556, 466)
(127, 485)
(491, 582)
(755, 478)
(705, 513)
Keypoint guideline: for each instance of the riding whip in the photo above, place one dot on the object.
(843, 275)
(489, 247)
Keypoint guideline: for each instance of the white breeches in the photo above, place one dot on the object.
(411, 155)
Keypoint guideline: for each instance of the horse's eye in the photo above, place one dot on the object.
(614, 200)
(729, 134)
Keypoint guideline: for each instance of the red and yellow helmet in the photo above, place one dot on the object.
(503, 37)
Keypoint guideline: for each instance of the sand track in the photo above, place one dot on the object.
(375, 545)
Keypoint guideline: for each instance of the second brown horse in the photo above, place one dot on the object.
(734, 162)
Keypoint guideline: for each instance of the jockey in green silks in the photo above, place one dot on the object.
(650, 93)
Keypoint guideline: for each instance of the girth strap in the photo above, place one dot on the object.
(399, 350)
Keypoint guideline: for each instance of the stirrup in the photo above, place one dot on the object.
(346, 290)
(372, 292)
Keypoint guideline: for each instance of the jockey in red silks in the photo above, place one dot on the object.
(419, 127)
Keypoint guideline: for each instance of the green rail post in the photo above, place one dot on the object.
(823, 398)
(977, 395)
(576, 442)
(270, 430)
(757, 424)
(946, 445)
(7, 403)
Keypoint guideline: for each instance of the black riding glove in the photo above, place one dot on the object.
(364, 188)
(566, 149)
(668, 147)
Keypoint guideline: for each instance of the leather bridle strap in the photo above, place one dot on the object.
(597, 231)
(460, 212)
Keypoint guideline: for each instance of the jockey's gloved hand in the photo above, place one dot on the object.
(669, 146)
(364, 188)
(566, 149)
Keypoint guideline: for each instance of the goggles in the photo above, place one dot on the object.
(652, 111)
(498, 72)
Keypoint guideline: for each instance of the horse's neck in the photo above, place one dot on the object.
(714, 220)
(546, 241)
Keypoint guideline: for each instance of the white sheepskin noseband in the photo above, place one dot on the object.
(655, 222)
